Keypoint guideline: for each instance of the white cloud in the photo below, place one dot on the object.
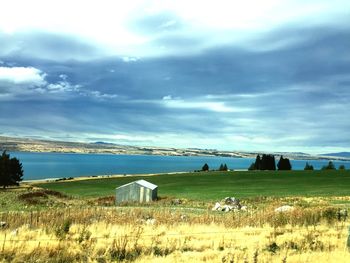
(19, 81)
(97, 94)
(62, 86)
(63, 76)
(15, 82)
(107, 24)
(168, 97)
(130, 59)
(22, 75)
(176, 103)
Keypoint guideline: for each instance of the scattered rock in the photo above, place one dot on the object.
(176, 202)
(284, 208)
(3, 224)
(14, 232)
(216, 207)
(244, 208)
(342, 214)
(227, 208)
(150, 221)
(228, 204)
(231, 201)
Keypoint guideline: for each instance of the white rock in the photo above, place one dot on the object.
(244, 208)
(14, 232)
(227, 208)
(150, 221)
(284, 208)
(183, 217)
(216, 207)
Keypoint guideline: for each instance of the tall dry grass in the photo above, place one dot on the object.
(315, 234)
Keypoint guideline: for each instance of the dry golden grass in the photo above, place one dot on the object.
(185, 242)
(154, 234)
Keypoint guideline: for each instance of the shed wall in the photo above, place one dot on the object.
(135, 192)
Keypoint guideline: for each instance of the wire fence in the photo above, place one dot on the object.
(253, 233)
(189, 234)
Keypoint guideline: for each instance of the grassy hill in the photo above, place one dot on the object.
(216, 185)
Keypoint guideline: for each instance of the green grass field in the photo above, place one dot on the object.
(216, 185)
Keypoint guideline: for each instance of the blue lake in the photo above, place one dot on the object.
(55, 165)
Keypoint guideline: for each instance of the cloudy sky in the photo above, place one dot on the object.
(233, 75)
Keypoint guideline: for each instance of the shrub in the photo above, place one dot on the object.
(205, 167)
(62, 230)
(272, 248)
(308, 166)
(223, 167)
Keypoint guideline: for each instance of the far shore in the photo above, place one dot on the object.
(94, 177)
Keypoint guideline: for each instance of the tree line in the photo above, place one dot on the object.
(267, 162)
(222, 167)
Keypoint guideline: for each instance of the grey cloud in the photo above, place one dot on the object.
(296, 95)
(42, 45)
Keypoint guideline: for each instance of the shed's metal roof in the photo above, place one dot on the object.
(143, 183)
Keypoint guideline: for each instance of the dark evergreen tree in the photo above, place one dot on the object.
(329, 166)
(11, 171)
(4, 169)
(284, 164)
(280, 163)
(205, 167)
(268, 162)
(252, 167)
(272, 163)
(258, 163)
(225, 167)
(264, 162)
(221, 168)
(16, 171)
(308, 166)
(342, 167)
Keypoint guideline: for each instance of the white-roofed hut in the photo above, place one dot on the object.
(137, 191)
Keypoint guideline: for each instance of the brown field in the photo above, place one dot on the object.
(161, 232)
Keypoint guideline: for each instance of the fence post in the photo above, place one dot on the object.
(348, 241)
(3, 244)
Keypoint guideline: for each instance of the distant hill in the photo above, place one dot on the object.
(103, 143)
(340, 154)
(36, 145)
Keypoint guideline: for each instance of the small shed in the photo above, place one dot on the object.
(139, 191)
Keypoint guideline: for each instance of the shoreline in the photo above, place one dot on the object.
(92, 177)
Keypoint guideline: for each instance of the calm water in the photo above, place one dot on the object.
(54, 165)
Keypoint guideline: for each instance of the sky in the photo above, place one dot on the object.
(227, 75)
